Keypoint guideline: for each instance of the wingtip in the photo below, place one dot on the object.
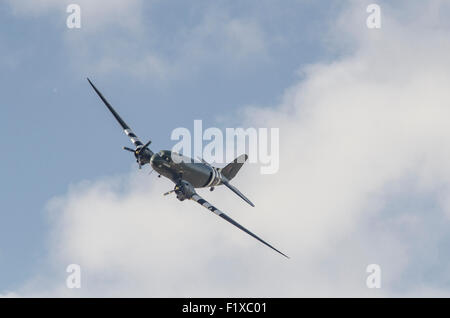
(249, 202)
(281, 253)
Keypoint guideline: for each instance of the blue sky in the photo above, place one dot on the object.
(359, 143)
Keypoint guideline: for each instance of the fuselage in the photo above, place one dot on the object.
(176, 167)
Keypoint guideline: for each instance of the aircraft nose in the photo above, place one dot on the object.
(156, 159)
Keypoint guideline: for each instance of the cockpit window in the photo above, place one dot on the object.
(165, 155)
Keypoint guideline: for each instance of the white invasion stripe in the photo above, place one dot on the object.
(206, 204)
(218, 212)
(219, 176)
(127, 131)
(209, 206)
(213, 177)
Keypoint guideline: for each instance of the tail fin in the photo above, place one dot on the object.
(231, 169)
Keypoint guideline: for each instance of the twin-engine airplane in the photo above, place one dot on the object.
(186, 173)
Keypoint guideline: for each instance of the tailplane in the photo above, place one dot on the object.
(230, 171)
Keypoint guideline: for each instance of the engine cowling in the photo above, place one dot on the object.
(184, 190)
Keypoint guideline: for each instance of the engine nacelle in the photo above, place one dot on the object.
(184, 190)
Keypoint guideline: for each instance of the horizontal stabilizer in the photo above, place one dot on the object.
(231, 169)
(235, 190)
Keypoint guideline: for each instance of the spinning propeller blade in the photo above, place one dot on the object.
(138, 151)
(128, 149)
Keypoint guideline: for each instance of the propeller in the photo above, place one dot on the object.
(138, 152)
(172, 191)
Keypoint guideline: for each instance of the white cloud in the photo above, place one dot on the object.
(361, 138)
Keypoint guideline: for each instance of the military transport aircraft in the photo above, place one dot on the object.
(186, 173)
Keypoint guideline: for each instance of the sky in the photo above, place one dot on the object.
(363, 118)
